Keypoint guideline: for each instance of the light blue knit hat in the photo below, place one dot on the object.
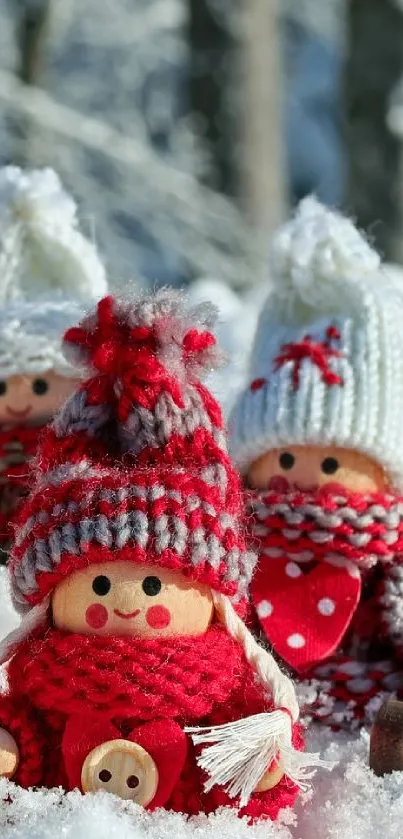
(327, 362)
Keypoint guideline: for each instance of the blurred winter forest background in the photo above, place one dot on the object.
(188, 128)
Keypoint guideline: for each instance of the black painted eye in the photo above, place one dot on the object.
(286, 460)
(152, 586)
(40, 386)
(101, 585)
(132, 781)
(104, 776)
(329, 465)
(3, 387)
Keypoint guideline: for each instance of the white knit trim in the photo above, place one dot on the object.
(50, 274)
(31, 336)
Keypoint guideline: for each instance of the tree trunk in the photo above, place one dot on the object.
(33, 18)
(234, 99)
(211, 76)
(374, 67)
(262, 123)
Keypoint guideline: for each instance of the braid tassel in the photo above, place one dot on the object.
(237, 754)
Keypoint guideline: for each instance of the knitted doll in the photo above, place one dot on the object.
(130, 567)
(48, 271)
(317, 436)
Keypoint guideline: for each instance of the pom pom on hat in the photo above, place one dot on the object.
(112, 339)
(141, 418)
(314, 252)
(49, 272)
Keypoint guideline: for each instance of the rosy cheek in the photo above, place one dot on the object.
(158, 617)
(96, 616)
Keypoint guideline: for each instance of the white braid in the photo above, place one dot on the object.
(236, 755)
(31, 621)
(278, 684)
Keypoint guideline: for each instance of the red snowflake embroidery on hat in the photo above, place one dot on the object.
(320, 353)
(257, 384)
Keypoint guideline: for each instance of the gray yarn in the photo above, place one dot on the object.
(76, 415)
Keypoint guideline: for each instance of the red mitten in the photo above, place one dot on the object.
(304, 615)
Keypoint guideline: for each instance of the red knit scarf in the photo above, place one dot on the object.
(17, 445)
(313, 525)
(182, 677)
(322, 556)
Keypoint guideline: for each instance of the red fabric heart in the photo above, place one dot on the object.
(304, 615)
(164, 740)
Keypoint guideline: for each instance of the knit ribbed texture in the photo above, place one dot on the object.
(327, 362)
(364, 529)
(185, 679)
(359, 533)
(135, 466)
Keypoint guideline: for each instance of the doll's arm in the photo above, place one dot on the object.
(22, 744)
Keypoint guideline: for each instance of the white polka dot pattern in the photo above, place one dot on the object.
(296, 641)
(326, 606)
(264, 609)
(293, 570)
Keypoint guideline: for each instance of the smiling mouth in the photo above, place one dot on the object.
(19, 414)
(126, 615)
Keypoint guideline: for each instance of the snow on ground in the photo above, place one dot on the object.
(349, 802)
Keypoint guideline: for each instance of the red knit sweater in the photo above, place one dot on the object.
(204, 680)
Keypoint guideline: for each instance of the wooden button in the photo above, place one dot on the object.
(123, 768)
(9, 755)
(386, 744)
(270, 779)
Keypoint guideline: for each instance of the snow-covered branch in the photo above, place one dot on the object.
(210, 234)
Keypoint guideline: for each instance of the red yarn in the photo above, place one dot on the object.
(15, 444)
(366, 663)
(190, 680)
(319, 353)
(130, 355)
(78, 499)
(277, 527)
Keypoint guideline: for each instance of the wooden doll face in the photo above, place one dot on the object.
(121, 598)
(33, 400)
(310, 467)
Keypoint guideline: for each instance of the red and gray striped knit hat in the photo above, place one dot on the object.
(135, 466)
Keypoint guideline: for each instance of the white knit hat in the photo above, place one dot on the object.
(327, 362)
(49, 272)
